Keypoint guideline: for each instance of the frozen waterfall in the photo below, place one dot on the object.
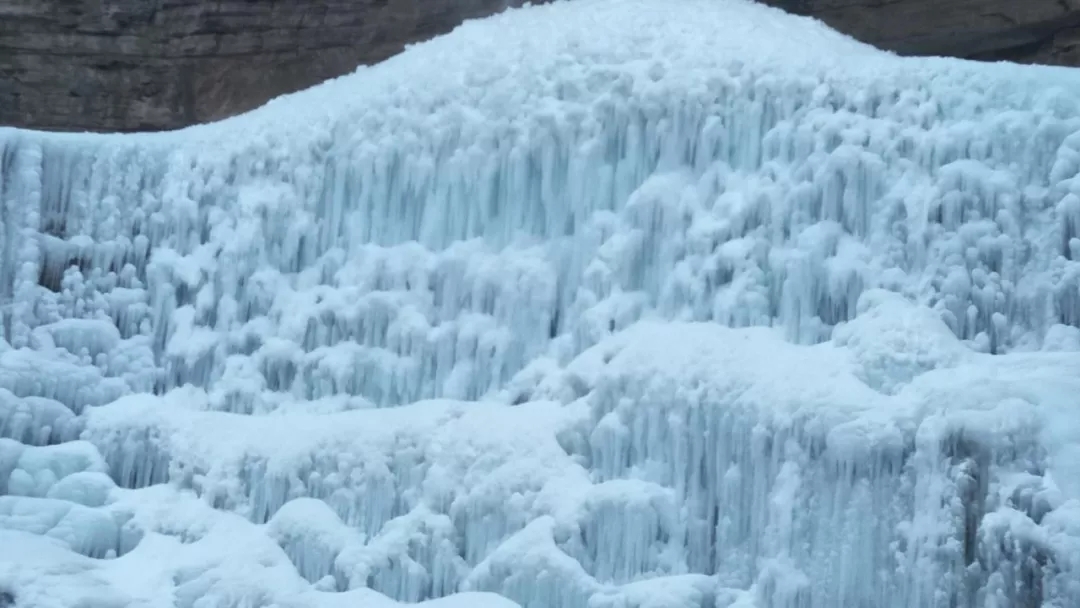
(598, 304)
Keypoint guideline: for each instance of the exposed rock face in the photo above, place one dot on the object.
(123, 65)
(1035, 31)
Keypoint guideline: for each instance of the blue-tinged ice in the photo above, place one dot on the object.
(600, 304)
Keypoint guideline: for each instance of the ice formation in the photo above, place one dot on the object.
(600, 304)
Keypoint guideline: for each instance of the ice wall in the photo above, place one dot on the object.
(610, 303)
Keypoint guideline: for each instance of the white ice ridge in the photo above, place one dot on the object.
(597, 304)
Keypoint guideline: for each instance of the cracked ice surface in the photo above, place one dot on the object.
(602, 304)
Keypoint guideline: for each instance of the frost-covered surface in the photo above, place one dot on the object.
(603, 304)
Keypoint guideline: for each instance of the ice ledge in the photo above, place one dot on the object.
(963, 472)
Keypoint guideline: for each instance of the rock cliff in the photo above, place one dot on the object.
(1032, 31)
(127, 65)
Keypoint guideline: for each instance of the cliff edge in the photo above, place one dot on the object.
(143, 65)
